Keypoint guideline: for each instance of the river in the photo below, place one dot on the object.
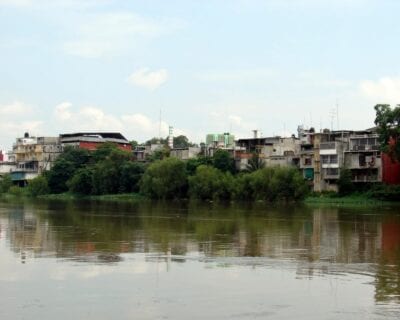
(91, 260)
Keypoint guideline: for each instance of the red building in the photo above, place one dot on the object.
(92, 140)
(390, 170)
(1, 156)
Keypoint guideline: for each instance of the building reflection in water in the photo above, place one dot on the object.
(319, 240)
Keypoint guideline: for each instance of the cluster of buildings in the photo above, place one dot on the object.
(31, 156)
(319, 155)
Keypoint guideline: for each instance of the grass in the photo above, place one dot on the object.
(123, 197)
(353, 199)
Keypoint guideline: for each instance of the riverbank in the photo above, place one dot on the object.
(353, 199)
(123, 197)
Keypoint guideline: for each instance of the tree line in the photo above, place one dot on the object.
(109, 170)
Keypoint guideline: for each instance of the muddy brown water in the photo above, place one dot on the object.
(89, 260)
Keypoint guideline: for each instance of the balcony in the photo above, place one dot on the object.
(373, 178)
(328, 148)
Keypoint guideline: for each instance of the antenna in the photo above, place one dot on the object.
(159, 129)
(332, 113)
(337, 113)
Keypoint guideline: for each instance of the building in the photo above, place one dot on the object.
(363, 157)
(32, 156)
(185, 153)
(92, 140)
(221, 140)
(144, 152)
(274, 151)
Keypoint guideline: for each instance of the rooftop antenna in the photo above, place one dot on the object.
(159, 129)
(332, 116)
(337, 113)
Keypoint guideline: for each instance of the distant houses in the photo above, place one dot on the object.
(320, 156)
(31, 156)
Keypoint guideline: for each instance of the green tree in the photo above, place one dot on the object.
(156, 141)
(288, 184)
(193, 163)
(107, 173)
(5, 183)
(255, 163)
(159, 154)
(165, 179)
(65, 167)
(388, 126)
(223, 161)
(210, 183)
(345, 184)
(104, 151)
(134, 144)
(182, 142)
(130, 175)
(38, 186)
(59, 174)
(81, 182)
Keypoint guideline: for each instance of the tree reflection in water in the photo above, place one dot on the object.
(318, 239)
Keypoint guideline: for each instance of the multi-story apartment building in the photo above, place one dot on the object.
(33, 155)
(363, 157)
(274, 151)
(324, 154)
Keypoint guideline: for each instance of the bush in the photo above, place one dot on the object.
(385, 192)
(16, 191)
(81, 182)
(165, 179)
(345, 184)
(107, 173)
(223, 161)
(5, 183)
(65, 167)
(37, 186)
(271, 184)
(210, 183)
(130, 175)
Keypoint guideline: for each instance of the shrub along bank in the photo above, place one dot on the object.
(109, 170)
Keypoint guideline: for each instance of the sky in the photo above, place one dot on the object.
(201, 66)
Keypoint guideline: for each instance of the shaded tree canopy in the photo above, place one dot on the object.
(255, 163)
(182, 142)
(224, 161)
(388, 122)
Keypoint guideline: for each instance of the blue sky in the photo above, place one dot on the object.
(210, 66)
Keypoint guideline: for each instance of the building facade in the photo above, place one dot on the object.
(92, 140)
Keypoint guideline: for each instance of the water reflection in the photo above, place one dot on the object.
(317, 240)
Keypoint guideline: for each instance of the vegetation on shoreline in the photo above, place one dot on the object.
(109, 173)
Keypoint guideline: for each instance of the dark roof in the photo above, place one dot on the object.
(104, 135)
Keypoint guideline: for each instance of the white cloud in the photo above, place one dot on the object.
(85, 119)
(384, 90)
(148, 79)
(15, 3)
(15, 120)
(62, 111)
(113, 33)
(136, 126)
(14, 108)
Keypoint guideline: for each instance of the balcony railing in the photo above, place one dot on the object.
(327, 145)
(365, 179)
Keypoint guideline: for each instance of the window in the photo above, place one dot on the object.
(307, 161)
(332, 171)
